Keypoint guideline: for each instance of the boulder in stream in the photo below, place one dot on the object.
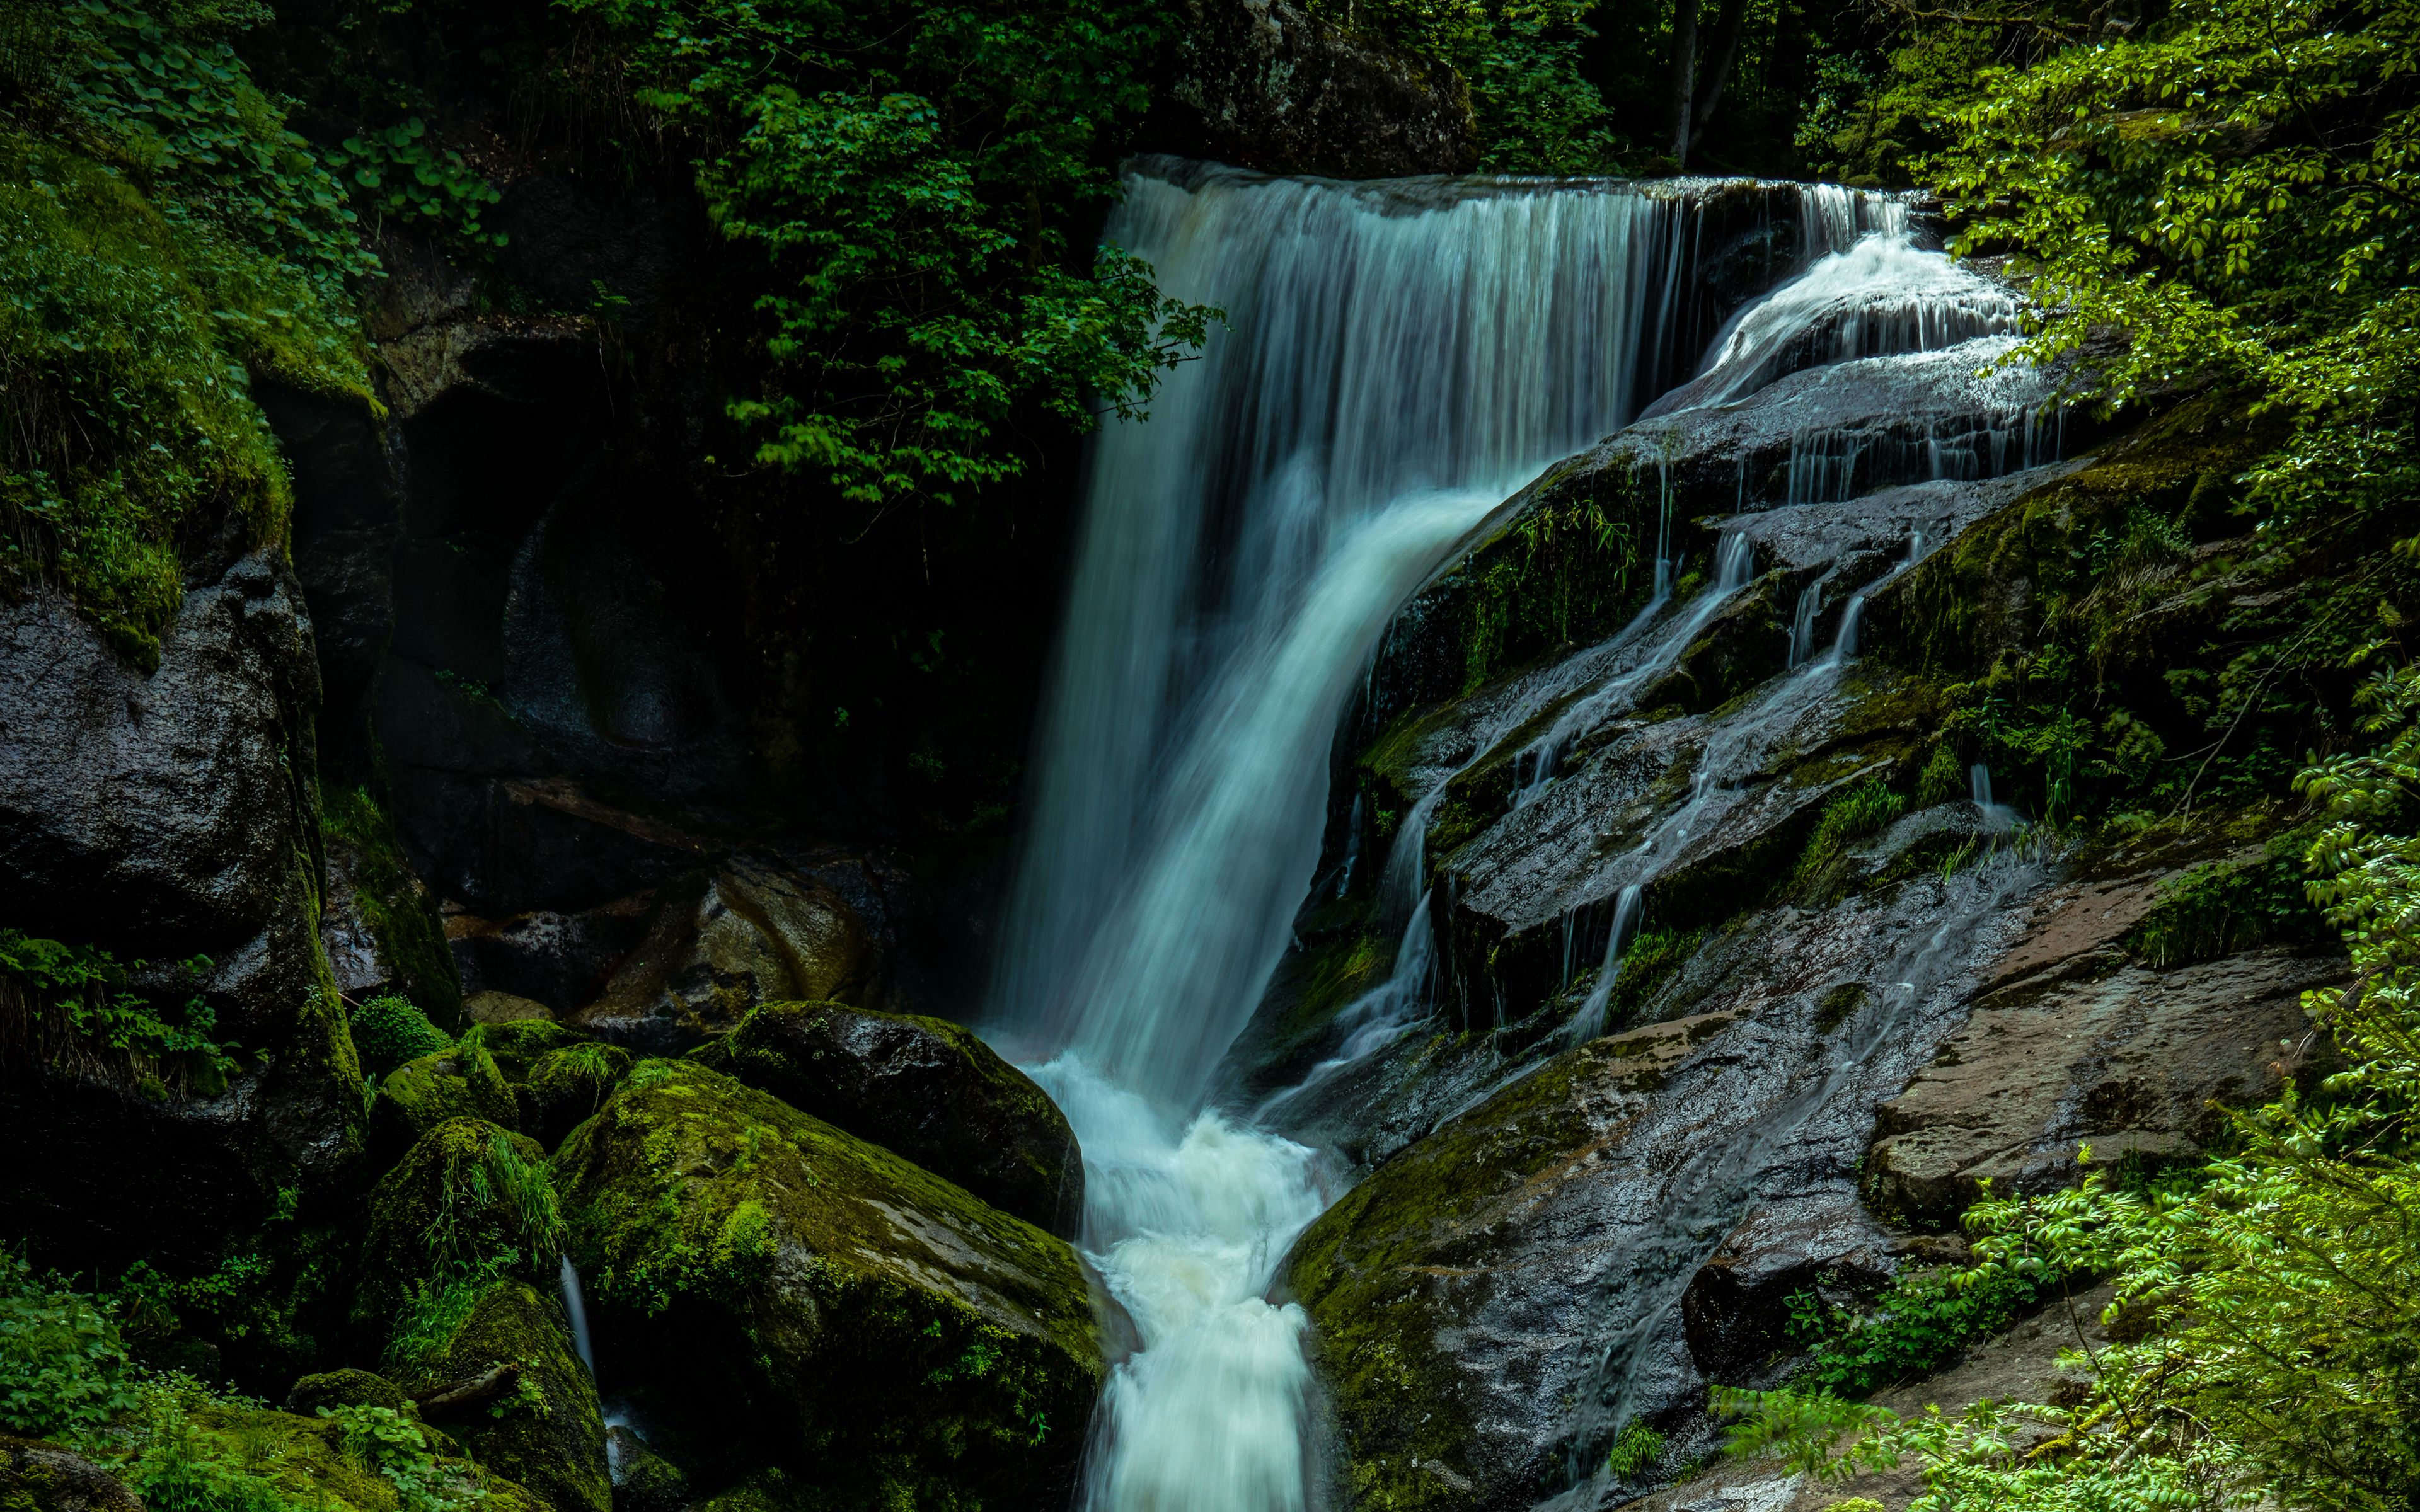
(783, 1292)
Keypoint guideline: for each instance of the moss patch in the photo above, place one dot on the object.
(547, 1433)
(791, 1290)
(401, 915)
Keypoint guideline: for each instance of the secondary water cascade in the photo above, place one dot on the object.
(1398, 359)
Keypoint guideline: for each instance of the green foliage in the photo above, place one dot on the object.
(383, 1439)
(75, 1003)
(2234, 187)
(1942, 779)
(912, 174)
(1634, 1452)
(387, 1032)
(181, 1468)
(162, 237)
(63, 1368)
(1921, 1322)
(2218, 909)
(1864, 808)
(2270, 1304)
(1653, 958)
(1536, 108)
(396, 171)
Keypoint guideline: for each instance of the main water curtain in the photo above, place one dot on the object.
(1398, 359)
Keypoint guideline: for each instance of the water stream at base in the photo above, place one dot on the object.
(1402, 357)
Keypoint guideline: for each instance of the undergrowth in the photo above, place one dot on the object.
(72, 1004)
(164, 239)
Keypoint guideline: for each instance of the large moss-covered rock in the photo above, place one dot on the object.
(43, 1477)
(783, 1291)
(545, 1431)
(566, 1086)
(462, 1082)
(467, 1201)
(924, 1088)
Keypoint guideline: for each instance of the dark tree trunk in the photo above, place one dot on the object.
(1728, 26)
(1684, 76)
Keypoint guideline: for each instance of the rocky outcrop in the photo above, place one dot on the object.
(778, 1291)
(921, 1087)
(2076, 1045)
(41, 1477)
(1263, 84)
(164, 818)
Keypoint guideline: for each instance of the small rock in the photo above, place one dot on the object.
(503, 1008)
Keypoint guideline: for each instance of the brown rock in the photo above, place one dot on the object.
(2086, 1049)
(36, 1478)
(503, 1008)
(720, 947)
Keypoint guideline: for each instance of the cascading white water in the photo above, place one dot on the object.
(1399, 358)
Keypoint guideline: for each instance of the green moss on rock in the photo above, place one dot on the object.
(798, 1296)
(516, 1046)
(921, 1088)
(462, 1082)
(547, 1434)
(469, 1203)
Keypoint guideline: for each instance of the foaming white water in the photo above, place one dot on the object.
(1186, 1221)
(1884, 295)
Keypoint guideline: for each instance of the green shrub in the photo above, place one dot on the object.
(1865, 808)
(71, 1004)
(1942, 779)
(1920, 1323)
(1635, 1451)
(387, 1032)
(63, 1367)
(2218, 910)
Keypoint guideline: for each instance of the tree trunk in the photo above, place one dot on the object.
(1728, 26)
(1684, 76)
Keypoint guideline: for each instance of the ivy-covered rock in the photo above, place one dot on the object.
(461, 1082)
(782, 1292)
(922, 1088)
(505, 1380)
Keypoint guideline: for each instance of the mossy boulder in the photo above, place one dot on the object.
(461, 1082)
(783, 1292)
(43, 1477)
(469, 1203)
(379, 921)
(306, 1461)
(922, 1088)
(518, 1044)
(344, 1388)
(643, 1481)
(544, 1431)
(566, 1086)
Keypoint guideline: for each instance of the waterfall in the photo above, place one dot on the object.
(575, 1308)
(1399, 359)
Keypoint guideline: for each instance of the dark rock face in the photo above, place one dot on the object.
(1523, 1270)
(162, 818)
(1262, 84)
(923, 1089)
(1736, 1312)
